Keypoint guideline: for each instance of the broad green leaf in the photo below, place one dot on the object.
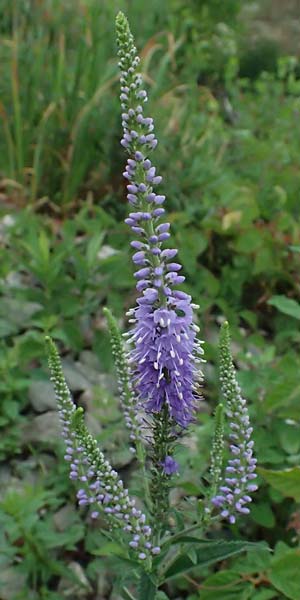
(286, 481)
(108, 549)
(147, 587)
(254, 562)
(262, 514)
(289, 435)
(264, 594)
(288, 306)
(264, 261)
(285, 574)
(249, 241)
(192, 244)
(207, 554)
(225, 585)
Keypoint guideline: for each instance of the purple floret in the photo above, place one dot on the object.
(170, 465)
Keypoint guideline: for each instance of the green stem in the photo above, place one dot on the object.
(127, 594)
(176, 538)
(18, 131)
(141, 457)
(160, 483)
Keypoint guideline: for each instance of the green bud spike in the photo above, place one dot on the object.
(62, 392)
(128, 399)
(119, 356)
(217, 450)
(127, 396)
(124, 35)
(231, 499)
(92, 466)
(77, 418)
(229, 385)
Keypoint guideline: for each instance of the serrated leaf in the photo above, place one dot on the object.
(285, 574)
(208, 553)
(225, 585)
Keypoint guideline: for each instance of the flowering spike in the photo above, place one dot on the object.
(233, 495)
(165, 353)
(127, 395)
(101, 489)
(217, 449)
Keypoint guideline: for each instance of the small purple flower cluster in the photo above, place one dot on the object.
(101, 489)
(165, 352)
(233, 495)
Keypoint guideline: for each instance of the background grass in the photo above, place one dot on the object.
(224, 92)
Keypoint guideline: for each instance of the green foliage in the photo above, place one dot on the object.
(285, 574)
(287, 481)
(206, 554)
(147, 587)
(288, 306)
(33, 539)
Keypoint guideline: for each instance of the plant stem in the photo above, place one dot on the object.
(159, 487)
(141, 456)
(18, 132)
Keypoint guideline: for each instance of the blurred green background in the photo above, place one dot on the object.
(224, 87)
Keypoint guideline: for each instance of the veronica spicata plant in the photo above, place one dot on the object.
(158, 363)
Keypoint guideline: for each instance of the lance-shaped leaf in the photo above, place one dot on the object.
(206, 554)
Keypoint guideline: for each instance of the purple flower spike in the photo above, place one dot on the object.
(165, 353)
(240, 470)
(114, 500)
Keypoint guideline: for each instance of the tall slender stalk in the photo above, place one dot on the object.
(18, 128)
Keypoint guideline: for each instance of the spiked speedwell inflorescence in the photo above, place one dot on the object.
(100, 487)
(165, 353)
(232, 496)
